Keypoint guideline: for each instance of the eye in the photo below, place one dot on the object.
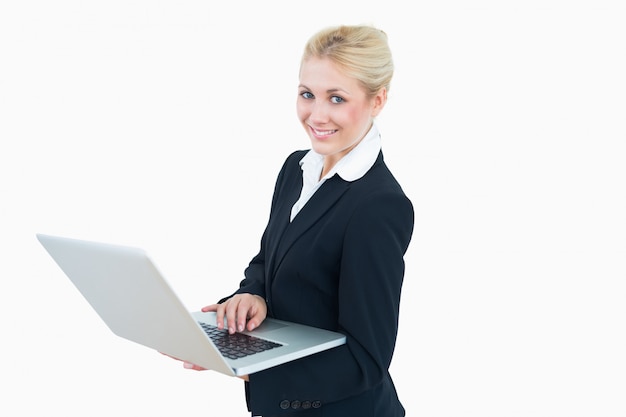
(306, 95)
(336, 99)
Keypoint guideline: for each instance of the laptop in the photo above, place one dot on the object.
(125, 288)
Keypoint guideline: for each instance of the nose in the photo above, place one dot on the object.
(319, 113)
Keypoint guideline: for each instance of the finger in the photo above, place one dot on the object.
(251, 312)
(257, 313)
(231, 314)
(219, 315)
(254, 322)
(256, 319)
(188, 365)
(242, 315)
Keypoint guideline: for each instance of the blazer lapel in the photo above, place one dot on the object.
(316, 207)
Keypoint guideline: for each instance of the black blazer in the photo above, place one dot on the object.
(338, 265)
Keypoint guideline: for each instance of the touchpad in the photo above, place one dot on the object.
(268, 326)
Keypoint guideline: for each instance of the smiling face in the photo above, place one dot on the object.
(334, 109)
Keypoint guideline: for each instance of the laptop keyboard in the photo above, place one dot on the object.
(238, 345)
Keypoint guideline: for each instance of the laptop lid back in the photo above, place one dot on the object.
(134, 300)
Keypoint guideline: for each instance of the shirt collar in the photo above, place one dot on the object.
(353, 165)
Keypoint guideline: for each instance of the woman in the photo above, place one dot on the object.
(332, 254)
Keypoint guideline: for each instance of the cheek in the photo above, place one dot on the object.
(351, 116)
(301, 112)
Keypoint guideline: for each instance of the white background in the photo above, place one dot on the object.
(162, 124)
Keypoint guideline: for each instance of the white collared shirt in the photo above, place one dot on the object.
(350, 168)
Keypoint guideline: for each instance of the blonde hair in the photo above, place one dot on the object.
(360, 51)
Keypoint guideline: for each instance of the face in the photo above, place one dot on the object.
(334, 109)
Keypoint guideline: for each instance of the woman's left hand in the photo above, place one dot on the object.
(189, 365)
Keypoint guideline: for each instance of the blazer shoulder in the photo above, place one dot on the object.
(296, 156)
(291, 162)
(380, 179)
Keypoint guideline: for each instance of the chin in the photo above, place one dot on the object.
(320, 148)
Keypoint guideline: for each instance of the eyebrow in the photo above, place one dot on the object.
(329, 91)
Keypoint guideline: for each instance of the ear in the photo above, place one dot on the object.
(379, 101)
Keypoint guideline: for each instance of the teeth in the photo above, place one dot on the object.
(323, 132)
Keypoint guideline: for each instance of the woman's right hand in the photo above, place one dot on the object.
(240, 312)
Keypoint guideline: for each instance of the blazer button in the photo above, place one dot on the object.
(285, 404)
(295, 404)
(306, 405)
(317, 404)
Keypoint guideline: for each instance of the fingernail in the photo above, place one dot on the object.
(188, 365)
(241, 327)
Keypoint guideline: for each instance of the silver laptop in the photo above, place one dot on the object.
(125, 288)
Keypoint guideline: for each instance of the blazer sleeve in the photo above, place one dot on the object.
(371, 275)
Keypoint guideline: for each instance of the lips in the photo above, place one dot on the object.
(322, 133)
